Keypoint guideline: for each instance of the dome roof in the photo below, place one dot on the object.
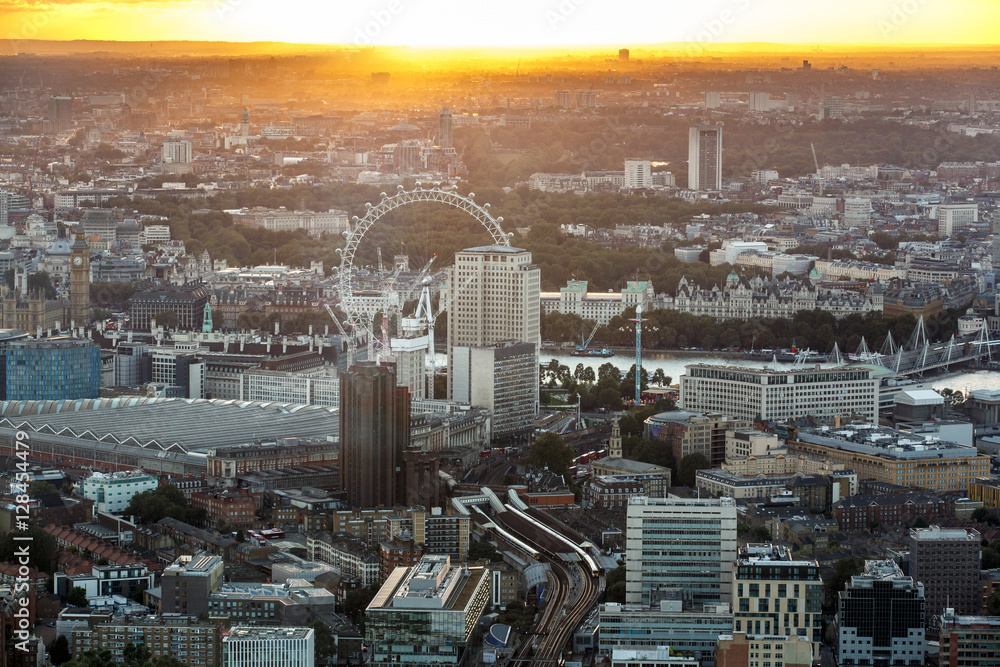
(58, 247)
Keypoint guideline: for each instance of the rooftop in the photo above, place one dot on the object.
(884, 442)
(190, 424)
(200, 564)
(242, 632)
(936, 533)
(494, 249)
(431, 584)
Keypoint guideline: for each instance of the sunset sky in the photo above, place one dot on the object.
(513, 23)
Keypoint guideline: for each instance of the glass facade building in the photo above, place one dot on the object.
(427, 614)
(881, 618)
(55, 368)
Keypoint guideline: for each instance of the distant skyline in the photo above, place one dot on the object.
(511, 23)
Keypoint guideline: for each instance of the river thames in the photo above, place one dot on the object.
(673, 366)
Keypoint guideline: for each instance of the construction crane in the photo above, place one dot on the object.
(352, 346)
(586, 343)
(816, 163)
(427, 317)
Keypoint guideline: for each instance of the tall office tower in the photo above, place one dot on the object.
(881, 618)
(713, 99)
(79, 282)
(760, 102)
(495, 292)
(623, 55)
(245, 127)
(61, 112)
(777, 595)
(374, 432)
(680, 545)
(946, 562)
(638, 174)
(444, 128)
(705, 157)
(502, 378)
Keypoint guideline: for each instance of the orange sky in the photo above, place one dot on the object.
(508, 22)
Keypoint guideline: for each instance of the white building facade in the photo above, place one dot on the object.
(780, 395)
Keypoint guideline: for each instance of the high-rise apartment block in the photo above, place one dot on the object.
(684, 546)
(881, 618)
(775, 594)
(832, 107)
(759, 102)
(705, 157)
(196, 643)
(780, 395)
(638, 174)
(374, 433)
(176, 150)
(946, 562)
(61, 112)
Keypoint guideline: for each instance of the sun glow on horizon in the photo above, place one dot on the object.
(510, 24)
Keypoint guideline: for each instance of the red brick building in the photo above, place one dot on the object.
(892, 509)
(236, 509)
(397, 553)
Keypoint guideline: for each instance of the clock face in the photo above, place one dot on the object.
(78, 260)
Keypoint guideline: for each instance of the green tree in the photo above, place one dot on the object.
(689, 467)
(93, 658)
(77, 596)
(41, 554)
(39, 489)
(59, 650)
(356, 602)
(167, 319)
(165, 661)
(549, 450)
(484, 551)
(136, 655)
(843, 570)
(325, 642)
(164, 501)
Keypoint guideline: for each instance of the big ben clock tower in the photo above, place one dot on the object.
(79, 282)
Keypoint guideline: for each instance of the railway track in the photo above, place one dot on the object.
(559, 619)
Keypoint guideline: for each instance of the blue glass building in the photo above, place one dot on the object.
(53, 369)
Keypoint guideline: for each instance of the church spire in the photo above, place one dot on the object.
(615, 443)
